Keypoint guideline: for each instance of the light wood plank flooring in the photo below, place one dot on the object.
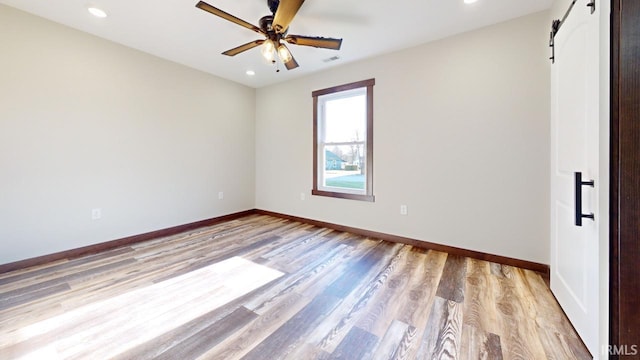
(262, 287)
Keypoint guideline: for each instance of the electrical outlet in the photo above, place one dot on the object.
(302, 196)
(403, 210)
(96, 214)
(220, 195)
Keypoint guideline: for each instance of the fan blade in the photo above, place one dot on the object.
(215, 11)
(285, 13)
(243, 48)
(319, 42)
(286, 57)
(291, 64)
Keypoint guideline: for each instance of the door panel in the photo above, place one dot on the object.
(574, 148)
(571, 99)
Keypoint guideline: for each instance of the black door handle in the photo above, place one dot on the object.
(592, 5)
(579, 184)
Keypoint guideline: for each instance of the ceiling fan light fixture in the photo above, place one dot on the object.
(268, 50)
(284, 54)
(274, 28)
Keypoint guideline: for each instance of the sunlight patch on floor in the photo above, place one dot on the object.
(120, 323)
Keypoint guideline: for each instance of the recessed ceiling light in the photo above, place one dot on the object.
(250, 72)
(469, 1)
(97, 12)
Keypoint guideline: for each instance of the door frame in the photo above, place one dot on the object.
(624, 283)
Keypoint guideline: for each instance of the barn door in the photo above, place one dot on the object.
(574, 169)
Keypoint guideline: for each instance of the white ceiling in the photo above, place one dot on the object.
(178, 31)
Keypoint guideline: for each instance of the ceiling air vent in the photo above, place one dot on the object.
(333, 58)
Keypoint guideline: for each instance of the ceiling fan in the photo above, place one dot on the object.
(274, 28)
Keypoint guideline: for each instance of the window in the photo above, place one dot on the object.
(343, 141)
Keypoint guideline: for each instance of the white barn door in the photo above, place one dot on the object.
(574, 148)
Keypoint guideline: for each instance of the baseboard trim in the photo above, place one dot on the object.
(96, 248)
(537, 267)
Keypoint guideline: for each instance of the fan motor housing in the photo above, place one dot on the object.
(266, 23)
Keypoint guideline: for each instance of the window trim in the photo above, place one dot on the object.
(368, 196)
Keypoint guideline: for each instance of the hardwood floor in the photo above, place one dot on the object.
(262, 287)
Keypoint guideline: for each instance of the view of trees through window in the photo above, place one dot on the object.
(344, 141)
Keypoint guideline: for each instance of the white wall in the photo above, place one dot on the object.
(461, 129)
(461, 137)
(86, 123)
